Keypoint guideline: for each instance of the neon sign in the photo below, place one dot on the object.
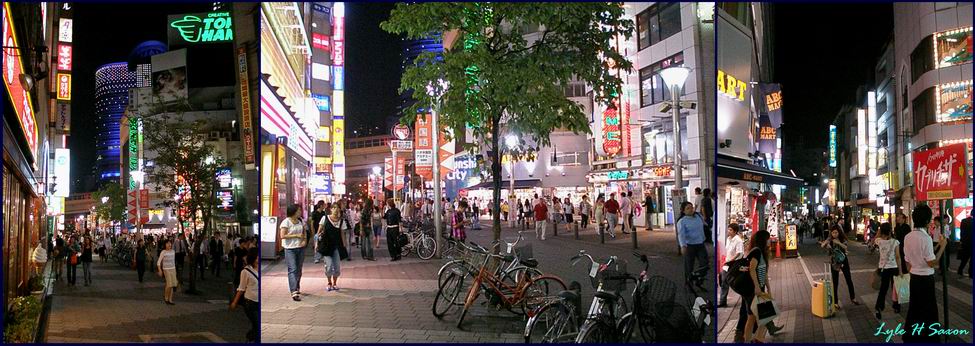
(832, 145)
(12, 69)
(612, 140)
(731, 87)
(64, 86)
(618, 175)
(64, 57)
(204, 28)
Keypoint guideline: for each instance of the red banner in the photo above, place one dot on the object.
(940, 173)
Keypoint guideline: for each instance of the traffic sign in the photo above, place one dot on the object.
(401, 132)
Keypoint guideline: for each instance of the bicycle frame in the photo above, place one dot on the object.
(491, 281)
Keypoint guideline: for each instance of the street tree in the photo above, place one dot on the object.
(113, 210)
(184, 167)
(500, 80)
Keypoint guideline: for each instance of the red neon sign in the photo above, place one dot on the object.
(940, 173)
(612, 134)
(64, 57)
(12, 69)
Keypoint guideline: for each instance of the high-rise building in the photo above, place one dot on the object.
(411, 50)
(112, 84)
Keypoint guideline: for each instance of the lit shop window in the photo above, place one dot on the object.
(954, 101)
(953, 47)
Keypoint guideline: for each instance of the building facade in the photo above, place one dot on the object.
(112, 84)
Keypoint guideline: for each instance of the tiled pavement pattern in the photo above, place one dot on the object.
(792, 291)
(117, 308)
(385, 301)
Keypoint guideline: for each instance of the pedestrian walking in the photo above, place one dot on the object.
(216, 255)
(166, 265)
(889, 266)
(60, 254)
(690, 235)
(87, 251)
(74, 254)
(392, 220)
(649, 209)
(376, 220)
(247, 294)
(476, 216)
(599, 211)
(734, 249)
(758, 254)
(292, 234)
(556, 211)
(180, 247)
(612, 211)
(965, 253)
(900, 232)
(585, 209)
(316, 217)
(567, 211)
(332, 245)
(836, 247)
(707, 211)
(366, 230)
(922, 257)
(239, 258)
(541, 215)
(140, 259)
(626, 211)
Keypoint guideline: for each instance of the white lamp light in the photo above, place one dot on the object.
(376, 170)
(511, 141)
(675, 76)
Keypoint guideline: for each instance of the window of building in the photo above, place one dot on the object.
(922, 59)
(575, 89)
(657, 23)
(923, 110)
(741, 11)
(652, 87)
(882, 104)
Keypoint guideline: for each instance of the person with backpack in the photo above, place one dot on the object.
(248, 290)
(839, 261)
(392, 219)
(331, 244)
(758, 254)
(889, 266)
(734, 249)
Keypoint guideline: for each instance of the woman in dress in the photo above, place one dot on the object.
(599, 212)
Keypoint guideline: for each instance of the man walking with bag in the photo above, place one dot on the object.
(920, 253)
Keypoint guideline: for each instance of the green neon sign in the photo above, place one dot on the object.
(204, 27)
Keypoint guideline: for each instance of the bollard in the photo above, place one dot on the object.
(575, 229)
(555, 228)
(602, 235)
(633, 234)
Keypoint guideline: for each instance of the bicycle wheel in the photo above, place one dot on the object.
(538, 292)
(596, 331)
(446, 294)
(468, 301)
(552, 323)
(426, 247)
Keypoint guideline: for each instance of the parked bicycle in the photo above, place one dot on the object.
(418, 239)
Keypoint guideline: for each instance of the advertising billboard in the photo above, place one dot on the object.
(734, 94)
(169, 76)
(323, 102)
(954, 101)
(766, 135)
(423, 145)
(772, 102)
(64, 86)
(65, 30)
(953, 47)
(64, 57)
(12, 69)
(246, 127)
(832, 145)
(61, 177)
(940, 173)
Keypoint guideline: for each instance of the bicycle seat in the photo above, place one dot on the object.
(507, 258)
(607, 296)
(531, 262)
(570, 295)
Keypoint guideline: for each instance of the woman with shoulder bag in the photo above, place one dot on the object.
(249, 282)
(758, 254)
(73, 254)
(836, 245)
(331, 245)
(889, 266)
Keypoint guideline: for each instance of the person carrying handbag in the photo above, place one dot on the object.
(73, 258)
(249, 283)
(840, 262)
(331, 244)
(889, 266)
(758, 253)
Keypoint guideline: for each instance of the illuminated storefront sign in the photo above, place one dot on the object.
(277, 120)
(338, 141)
(247, 131)
(323, 102)
(940, 173)
(953, 47)
(772, 105)
(338, 40)
(12, 69)
(201, 27)
(338, 103)
(320, 41)
(874, 188)
(64, 57)
(320, 72)
(612, 134)
(861, 142)
(225, 178)
(324, 134)
(731, 87)
(766, 136)
(64, 86)
(65, 27)
(832, 145)
(954, 101)
(62, 172)
(618, 175)
(338, 82)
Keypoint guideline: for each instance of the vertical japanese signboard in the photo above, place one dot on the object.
(832, 145)
(246, 128)
(423, 145)
(940, 173)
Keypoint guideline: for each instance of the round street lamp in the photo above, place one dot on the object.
(675, 77)
(104, 199)
(511, 140)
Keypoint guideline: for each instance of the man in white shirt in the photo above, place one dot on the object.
(734, 248)
(919, 252)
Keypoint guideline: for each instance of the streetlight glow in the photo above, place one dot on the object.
(104, 199)
(511, 141)
(675, 76)
(376, 170)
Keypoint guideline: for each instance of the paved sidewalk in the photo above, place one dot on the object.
(792, 289)
(385, 301)
(117, 308)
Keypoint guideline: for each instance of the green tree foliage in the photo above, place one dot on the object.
(501, 80)
(113, 210)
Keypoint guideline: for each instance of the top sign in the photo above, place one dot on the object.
(64, 30)
(213, 27)
(401, 132)
(940, 173)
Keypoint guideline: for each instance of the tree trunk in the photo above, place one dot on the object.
(192, 256)
(496, 173)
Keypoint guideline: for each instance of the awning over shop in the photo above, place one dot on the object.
(732, 169)
(519, 184)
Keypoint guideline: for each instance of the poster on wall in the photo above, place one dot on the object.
(954, 101)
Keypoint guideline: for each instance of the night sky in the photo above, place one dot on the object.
(823, 52)
(105, 33)
(372, 72)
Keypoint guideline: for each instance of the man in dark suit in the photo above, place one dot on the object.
(900, 231)
(965, 253)
(216, 255)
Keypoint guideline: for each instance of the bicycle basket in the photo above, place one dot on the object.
(674, 323)
(657, 289)
(611, 277)
(524, 252)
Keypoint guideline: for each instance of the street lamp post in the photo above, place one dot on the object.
(138, 177)
(512, 142)
(674, 77)
(437, 92)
